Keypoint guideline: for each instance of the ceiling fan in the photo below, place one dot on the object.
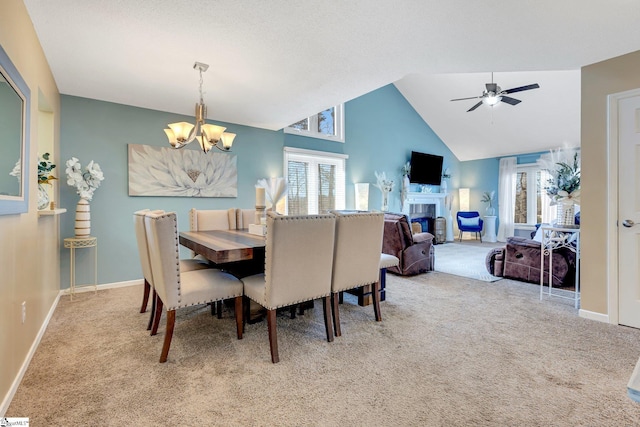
(494, 94)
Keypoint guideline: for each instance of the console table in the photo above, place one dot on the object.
(73, 243)
(554, 238)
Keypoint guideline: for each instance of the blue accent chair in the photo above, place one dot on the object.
(471, 222)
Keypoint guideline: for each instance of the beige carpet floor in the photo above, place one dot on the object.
(450, 351)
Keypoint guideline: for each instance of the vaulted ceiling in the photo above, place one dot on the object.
(273, 62)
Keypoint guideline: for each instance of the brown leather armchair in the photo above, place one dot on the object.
(520, 260)
(415, 251)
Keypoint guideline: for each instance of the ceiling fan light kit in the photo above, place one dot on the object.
(493, 94)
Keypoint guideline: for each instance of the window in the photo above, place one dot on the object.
(315, 181)
(532, 204)
(327, 124)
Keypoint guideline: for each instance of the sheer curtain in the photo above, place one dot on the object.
(507, 192)
(548, 212)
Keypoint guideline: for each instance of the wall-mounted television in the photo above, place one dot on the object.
(425, 168)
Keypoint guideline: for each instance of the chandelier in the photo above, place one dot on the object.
(208, 135)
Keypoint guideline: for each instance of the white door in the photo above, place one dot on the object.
(629, 211)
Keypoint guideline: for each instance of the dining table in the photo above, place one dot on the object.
(236, 251)
(225, 246)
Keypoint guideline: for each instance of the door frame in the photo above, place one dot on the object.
(612, 199)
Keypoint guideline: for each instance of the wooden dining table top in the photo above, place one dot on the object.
(223, 246)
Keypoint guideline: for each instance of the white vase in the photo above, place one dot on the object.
(449, 228)
(385, 202)
(43, 198)
(83, 218)
(443, 186)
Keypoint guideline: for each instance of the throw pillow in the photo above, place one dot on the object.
(470, 222)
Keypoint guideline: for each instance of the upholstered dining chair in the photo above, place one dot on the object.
(244, 217)
(470, 221)
(145, 263)
(212, 219)
(356, 258)
(298, 264)
(175, 289)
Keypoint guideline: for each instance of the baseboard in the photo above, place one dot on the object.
(34, 346)
(592, 315)
(23, 369)
(91, 288)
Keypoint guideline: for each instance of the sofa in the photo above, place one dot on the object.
(520, 260)
(415, 251)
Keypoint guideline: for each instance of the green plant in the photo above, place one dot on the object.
(565, 180)
(44, 169)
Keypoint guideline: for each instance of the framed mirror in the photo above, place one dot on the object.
(14, 139)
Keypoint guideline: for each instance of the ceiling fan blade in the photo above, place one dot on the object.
(492, 87)
(463, 99)
(521, 88)
(509, 100)
(474, 107)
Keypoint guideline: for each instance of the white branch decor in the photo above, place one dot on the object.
(275, 189)
(385, 186)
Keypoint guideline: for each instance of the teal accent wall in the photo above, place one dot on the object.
(100, 131)
(483, 175)
(381, 130)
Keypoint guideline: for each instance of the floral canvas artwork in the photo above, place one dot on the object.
(163, 171)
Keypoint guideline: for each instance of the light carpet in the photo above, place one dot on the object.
(464, 260)
(450, 351)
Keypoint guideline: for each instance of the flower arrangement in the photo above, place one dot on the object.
(406, 169)
(488, 197)
(16, 170)
(385, 185)
(446, 174)
(563, 166)
(45, 166)
(85, 181)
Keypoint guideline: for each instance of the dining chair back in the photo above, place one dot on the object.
(145, 263)
(298, 265)
(356, 257)
(212, 219)
(143, 254)
(176, 289)
(244, 217)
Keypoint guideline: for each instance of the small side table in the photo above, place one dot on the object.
(490, 228)
(555, 238)
(74, 243)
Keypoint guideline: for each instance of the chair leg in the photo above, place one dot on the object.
(145, 296)
(480, 234)
(153, 310)
(292, 311)
(335, 302)
(383, 284)
(273, 336)
(157, 316)
(326, 305)
(376, 301)
(460, 236)
(238, 312)
(168, 334)
(219, 308)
